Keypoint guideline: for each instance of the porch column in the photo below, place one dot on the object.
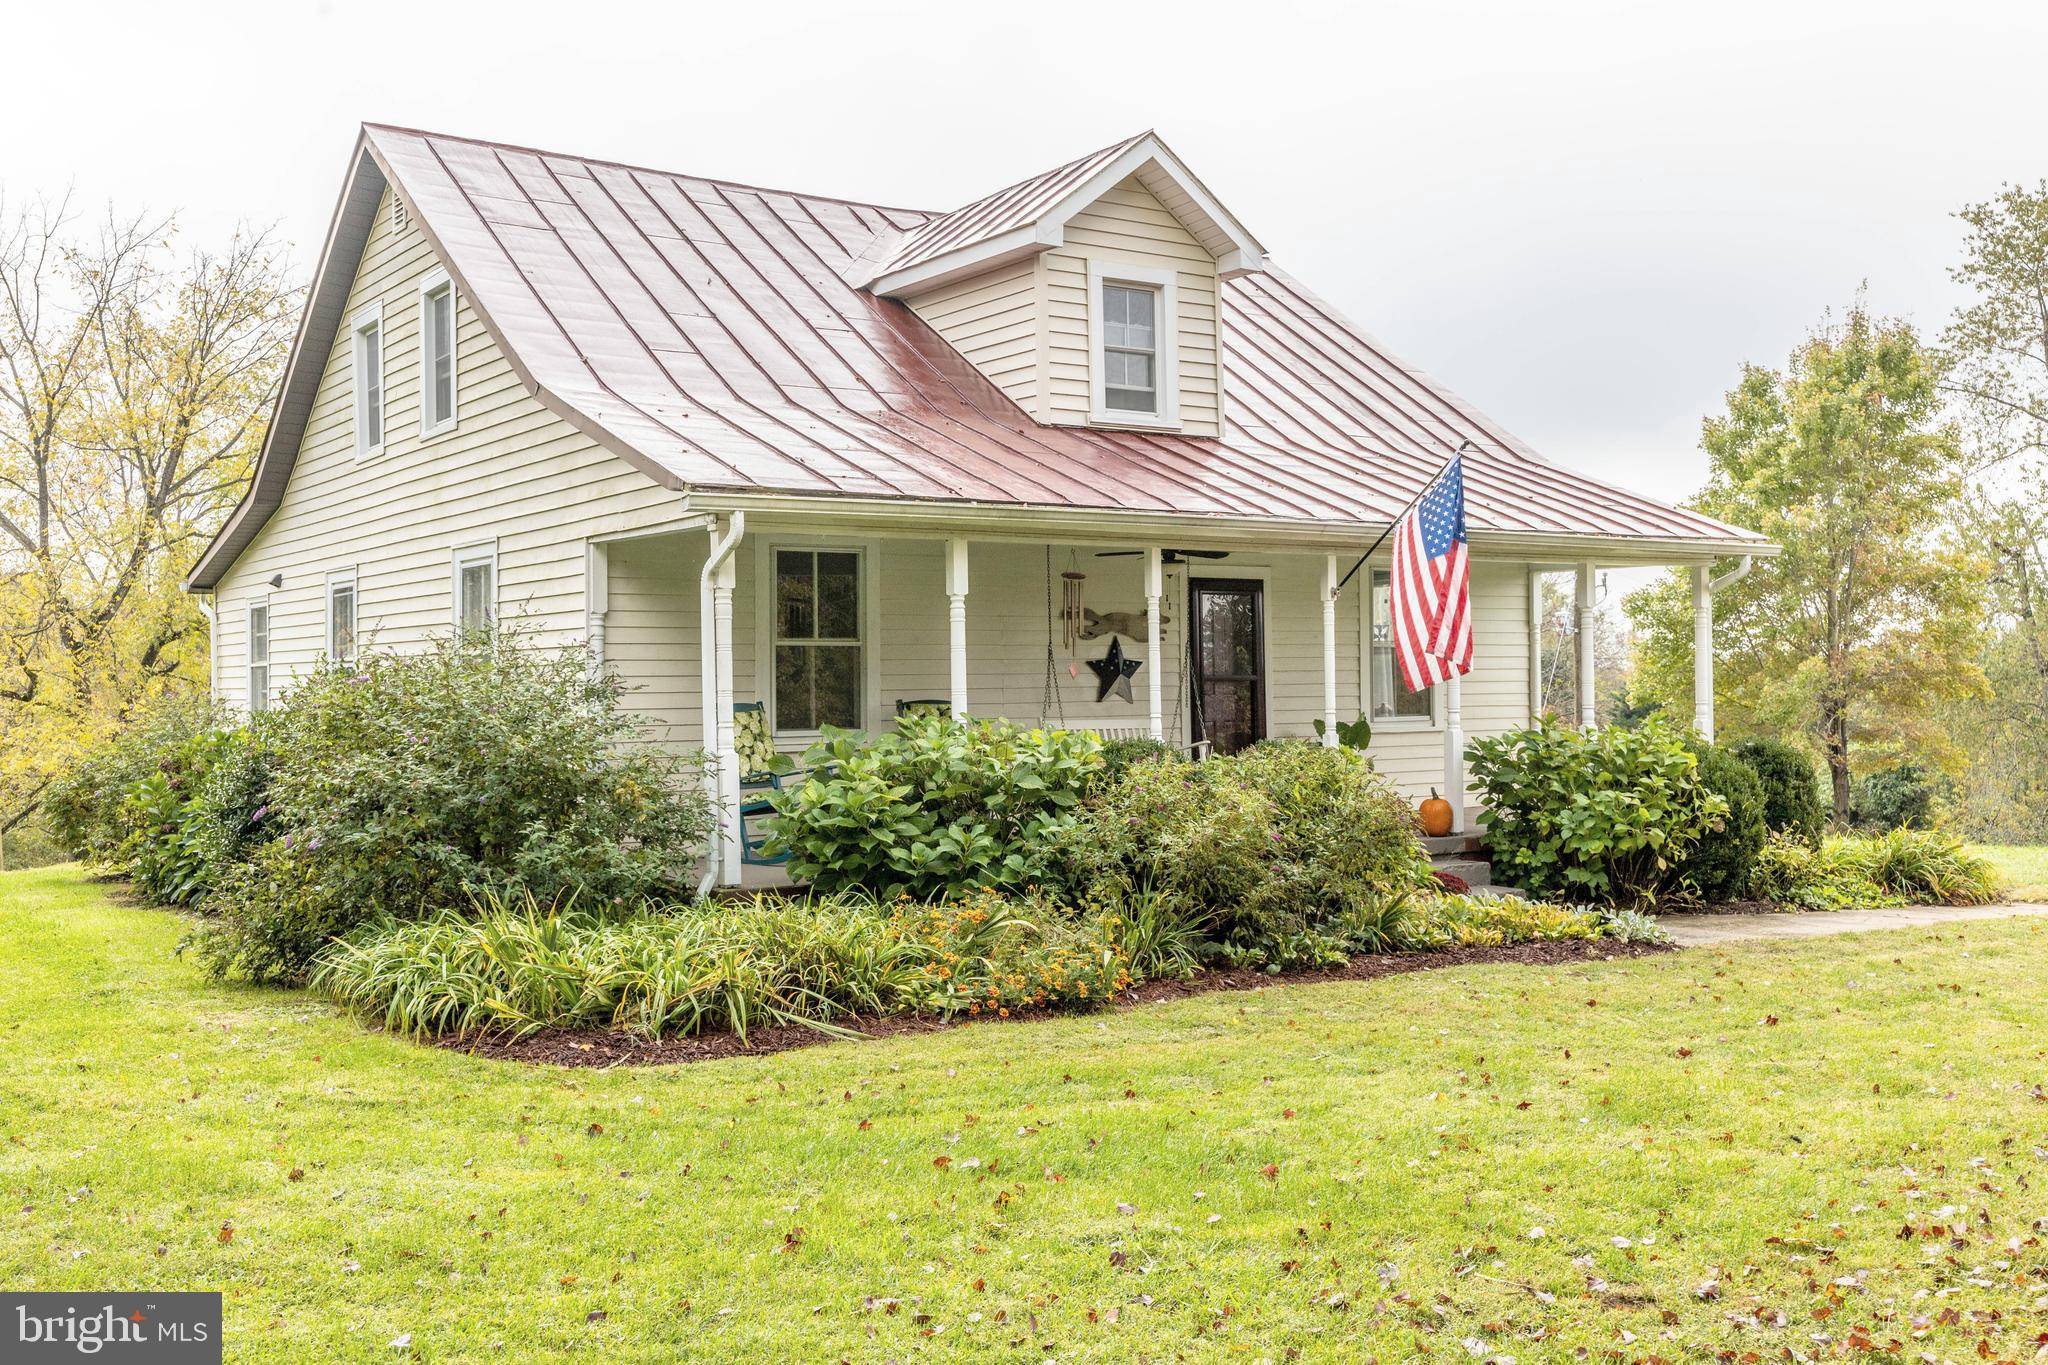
(1535, 643)
(1454, 750)
(956, 613)
(1329, 651)
(1703, 653)
(1155, 590)
(1588, 670)
(728, 748)
(597, 598)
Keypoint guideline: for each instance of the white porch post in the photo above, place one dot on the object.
(1454, 750)
(1330, 651)
(1588, 670)
(1703, 652)
(956, 615)
(1155, 590)
(597, 598)
(728, 748)
(1535, 643)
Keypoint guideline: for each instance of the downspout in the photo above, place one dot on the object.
(1703, 590)
(715, 559)
(209, 607)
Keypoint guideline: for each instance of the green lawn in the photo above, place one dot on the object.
(2024, 867)
(1649, 1157)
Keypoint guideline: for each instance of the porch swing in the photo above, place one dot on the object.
(1052, 707)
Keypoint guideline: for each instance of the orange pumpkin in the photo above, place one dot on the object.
(1435, 816)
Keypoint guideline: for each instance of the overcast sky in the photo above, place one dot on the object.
(1583, 216)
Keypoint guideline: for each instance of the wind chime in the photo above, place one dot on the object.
(1073, 611)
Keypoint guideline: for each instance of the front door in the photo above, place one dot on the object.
(1229, 661)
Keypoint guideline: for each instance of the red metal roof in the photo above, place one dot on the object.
(705, 330)
(994, 214)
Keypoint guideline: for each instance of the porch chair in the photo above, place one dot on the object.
(761, 771)
(923, 706)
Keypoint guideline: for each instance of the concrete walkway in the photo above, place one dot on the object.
(1698, 931)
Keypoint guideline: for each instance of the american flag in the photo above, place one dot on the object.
(1431, 584)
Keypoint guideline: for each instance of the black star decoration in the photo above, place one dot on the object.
(1113, 672)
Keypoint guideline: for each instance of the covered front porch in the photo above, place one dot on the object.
(1225, 637)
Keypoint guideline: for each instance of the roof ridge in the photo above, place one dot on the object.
(652, 170)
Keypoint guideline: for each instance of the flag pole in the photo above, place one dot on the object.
(1400, 514)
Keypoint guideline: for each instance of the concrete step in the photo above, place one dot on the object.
(1452, 845)
(1476, 872)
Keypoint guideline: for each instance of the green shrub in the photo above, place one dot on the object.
(477, 766)
(1922, 867)
(512, 966)
(194, 817)
(935, 807)
(1791, 787)
(1897, 798)
(84, 808)
(1257, 847)
(1159, 939)
(271, 915)
(1720, 865)
(1606, 815)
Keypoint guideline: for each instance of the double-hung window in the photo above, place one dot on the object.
(476, 588)
(1130, 348)
(437, 354)
(369, 382)
(341, 617)
(259, 655)
(1391, 699)
(818, 646)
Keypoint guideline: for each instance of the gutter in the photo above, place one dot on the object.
(720, 553)
(1733, 576)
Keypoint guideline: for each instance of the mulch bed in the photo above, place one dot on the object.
(595, 1047)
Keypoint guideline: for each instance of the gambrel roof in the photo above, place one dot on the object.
(713, 335)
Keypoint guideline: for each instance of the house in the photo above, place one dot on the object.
(755, 446)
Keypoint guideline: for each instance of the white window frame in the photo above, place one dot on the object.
(432, 284)
(467, 557)
(256, 698)
(867, 553)
(1166, 338)
(1366, 620)
(345, 578)
(359, 324)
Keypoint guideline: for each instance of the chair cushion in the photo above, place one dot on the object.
(752, 742)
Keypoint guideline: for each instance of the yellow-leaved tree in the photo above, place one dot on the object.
(135, 383)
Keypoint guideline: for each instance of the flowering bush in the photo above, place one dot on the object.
(988, 954)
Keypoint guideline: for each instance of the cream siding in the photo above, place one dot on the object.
(993, 321)
(510, 471)
(1129, 226)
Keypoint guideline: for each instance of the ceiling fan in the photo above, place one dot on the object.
(1167, 556)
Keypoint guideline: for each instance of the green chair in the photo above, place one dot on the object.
(923, 706)
(761, 772)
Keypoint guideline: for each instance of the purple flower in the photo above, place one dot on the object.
(258, 814)
(287, 841)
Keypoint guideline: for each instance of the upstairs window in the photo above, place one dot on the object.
(817, 639)
(1130, 348)
(369, 380)
(259, 656)
(476, 588)
(1133, 345)
(437, 354)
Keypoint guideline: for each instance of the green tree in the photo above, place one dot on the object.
(1871, 616)
(1996, 348)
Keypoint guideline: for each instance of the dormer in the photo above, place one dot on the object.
(1088, 294)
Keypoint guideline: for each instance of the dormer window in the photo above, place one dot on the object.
(1134, 336)
(1130, 348)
